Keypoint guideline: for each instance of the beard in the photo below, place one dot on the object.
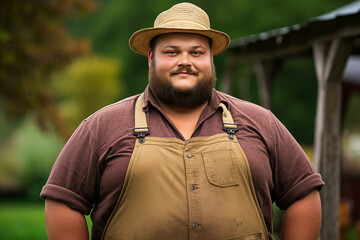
(164, 90)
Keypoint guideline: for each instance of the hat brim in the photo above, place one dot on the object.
(140, 40)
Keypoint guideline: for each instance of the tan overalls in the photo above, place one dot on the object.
(196, 189)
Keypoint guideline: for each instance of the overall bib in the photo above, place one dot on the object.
(196, 189)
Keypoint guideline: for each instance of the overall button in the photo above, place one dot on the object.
(194, 187)
(189, 155)
(195, 225)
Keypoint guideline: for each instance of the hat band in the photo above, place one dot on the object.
(183, 24)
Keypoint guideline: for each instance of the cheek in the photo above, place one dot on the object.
(165, 64)
(204, 66)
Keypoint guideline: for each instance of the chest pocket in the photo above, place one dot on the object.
(221, 168)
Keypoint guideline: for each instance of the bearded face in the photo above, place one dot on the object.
(169, 94)
(181, 70)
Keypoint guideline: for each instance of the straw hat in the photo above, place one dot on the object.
(180, 18)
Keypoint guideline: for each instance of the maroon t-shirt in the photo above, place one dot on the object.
(90, 170)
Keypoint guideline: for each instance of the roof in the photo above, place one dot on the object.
(349, 9)
(297, 39)
(352, 70)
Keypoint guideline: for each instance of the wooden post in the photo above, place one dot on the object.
(330, 61)
(265, 74)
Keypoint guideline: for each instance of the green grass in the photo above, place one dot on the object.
(23, 221)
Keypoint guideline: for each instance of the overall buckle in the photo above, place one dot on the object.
(140, 133)
(231, 129)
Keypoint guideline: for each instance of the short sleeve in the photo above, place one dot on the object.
(293, 173)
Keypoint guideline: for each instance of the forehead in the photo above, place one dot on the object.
(182, 39)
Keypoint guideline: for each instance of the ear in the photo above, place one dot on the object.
(150, 57)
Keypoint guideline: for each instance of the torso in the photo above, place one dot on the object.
(196, 189)
(106, 142)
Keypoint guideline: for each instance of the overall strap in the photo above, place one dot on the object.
(228, 122)
(141, 128)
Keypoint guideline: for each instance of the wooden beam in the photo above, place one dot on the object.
(319, 51)
(270, 54)
(330, 60)
(339, 52)
(277, 50)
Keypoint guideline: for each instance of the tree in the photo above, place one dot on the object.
(86, 85)
(34, 43)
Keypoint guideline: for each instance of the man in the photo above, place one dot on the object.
(182, 160)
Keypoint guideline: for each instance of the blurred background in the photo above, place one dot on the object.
(61, 60)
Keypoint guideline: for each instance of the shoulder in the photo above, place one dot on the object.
(242, 109)
(125, 106)
(111, 121)
(253, 118)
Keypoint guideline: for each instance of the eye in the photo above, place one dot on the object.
(170, 52)
(196, 53)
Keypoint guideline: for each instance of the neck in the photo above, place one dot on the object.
(181, 110)
(184, 119)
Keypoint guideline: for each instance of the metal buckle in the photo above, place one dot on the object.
(140, 133)
(231, 129)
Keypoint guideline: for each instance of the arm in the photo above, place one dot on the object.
(62, 222)
(302, 220)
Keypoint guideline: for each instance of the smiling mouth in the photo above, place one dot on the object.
(184, 72)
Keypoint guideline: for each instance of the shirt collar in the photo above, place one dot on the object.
(150, 99)
(216, 99)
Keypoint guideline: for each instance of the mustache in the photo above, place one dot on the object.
(186, 69)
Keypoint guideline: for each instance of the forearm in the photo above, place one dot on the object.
(63, 222)
(302, 220)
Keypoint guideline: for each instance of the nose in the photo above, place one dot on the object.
(184, 60)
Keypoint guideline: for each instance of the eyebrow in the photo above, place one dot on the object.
(177, 47)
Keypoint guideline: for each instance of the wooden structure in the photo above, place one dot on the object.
(330, 39)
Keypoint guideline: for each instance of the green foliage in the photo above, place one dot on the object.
(294, 98)
(33, 43)
(26, 160)
(24, 221)
(277, 221)
(7, 127)
(11, 169)
(86, 85)
(37, 152)
(352, 118)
